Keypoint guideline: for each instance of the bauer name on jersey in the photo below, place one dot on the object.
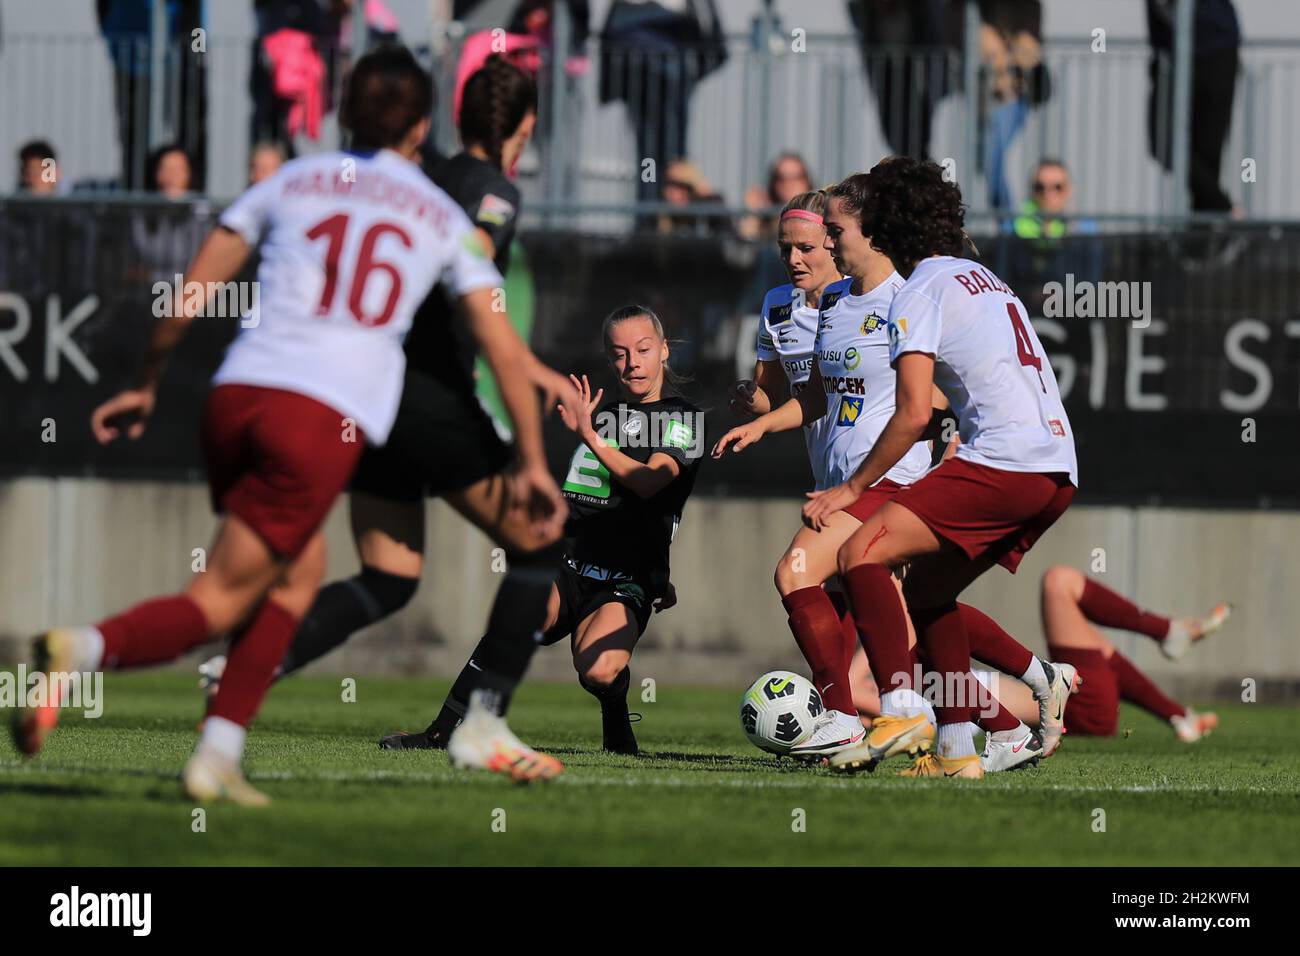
(787, 331)
(613, 527)
(352, 243)
(990, 364)
(852, 349)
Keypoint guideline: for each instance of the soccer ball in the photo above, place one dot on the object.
(778, 710)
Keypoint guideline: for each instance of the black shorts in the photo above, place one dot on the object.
(581, 595)
(442, 441)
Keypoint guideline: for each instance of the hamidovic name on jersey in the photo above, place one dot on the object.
(351, 244)
(787, 331)
(852, 348)
(990, 364)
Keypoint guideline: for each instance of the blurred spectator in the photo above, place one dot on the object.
(1216, 46)
(684, 185)
(127, 29)
(288, 77)
(170, 172)
(907, 51)
(653, 52)
(1016, 78)
(38, 170)
(787, 177)
(1042, 217)
(264, 160)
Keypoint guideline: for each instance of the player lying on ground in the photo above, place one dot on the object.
(626, 487)
(300, 390)
(444, 444)
(955, 325)
(1072, 603)
(842, 348)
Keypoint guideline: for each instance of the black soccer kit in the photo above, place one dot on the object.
(616, 547)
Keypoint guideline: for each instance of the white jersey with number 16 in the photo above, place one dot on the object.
(988, 362)
(351, 244)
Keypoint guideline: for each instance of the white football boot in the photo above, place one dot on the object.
(1192, 726)
(209, 776)
(833, 731)
(1010, 750)
(1051, 709)
(1184, 632)
(484, 742)
(210, 673)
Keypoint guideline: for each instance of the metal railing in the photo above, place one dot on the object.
(840, 107)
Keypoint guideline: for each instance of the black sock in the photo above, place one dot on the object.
(613, 697)
(453, 707)
(343, 608)
(515, 624)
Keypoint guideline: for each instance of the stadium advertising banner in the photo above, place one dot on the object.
(1178, 356)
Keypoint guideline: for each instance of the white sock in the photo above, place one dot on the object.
(1036, 678)
(903, 702)
(223, 737)
(89, 648)
(955, 740)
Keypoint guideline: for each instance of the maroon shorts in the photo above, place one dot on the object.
(1093, 710)
(988, 511)
(873, 499)
(276, 459)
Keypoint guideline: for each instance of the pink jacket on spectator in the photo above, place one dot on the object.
(297, 74)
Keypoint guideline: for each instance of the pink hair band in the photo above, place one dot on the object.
(802, 214)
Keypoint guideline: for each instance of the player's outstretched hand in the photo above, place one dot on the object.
(126, 412)
(742, 397)
(536, 491)
(738, 439)
(823, 504)
(668, 600)
(557, 390)
(576, 412)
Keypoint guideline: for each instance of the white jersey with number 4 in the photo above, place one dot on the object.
(853, 359)
(351, 244)
(988, 362)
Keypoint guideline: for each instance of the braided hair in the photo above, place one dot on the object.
(495, 101)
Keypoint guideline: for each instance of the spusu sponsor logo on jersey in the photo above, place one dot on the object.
(632, 428)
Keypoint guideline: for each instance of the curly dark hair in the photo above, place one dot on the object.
(911, 212)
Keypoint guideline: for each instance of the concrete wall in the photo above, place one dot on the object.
(75, 550)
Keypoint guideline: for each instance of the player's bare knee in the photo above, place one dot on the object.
(1061, 582)
(785, 577)
(603, 671)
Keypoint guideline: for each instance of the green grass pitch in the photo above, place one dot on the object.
(105, 791)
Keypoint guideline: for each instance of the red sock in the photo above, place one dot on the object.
(1136, 688)
(992, 645)
(254, 655)
(881, 623)
(153, 632)
(850, 630)
(817, 631)
(989, 713)
(1103, 606)
(945, 646)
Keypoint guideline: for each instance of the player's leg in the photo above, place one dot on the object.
(887, 539)
(213, 771)
(817, 626)
(389, 535)
(1072, 638)
(452, 711)
(602, 649)
(1100, 605)
(514, 624)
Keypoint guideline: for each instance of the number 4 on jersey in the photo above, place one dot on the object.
(1025, 345)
